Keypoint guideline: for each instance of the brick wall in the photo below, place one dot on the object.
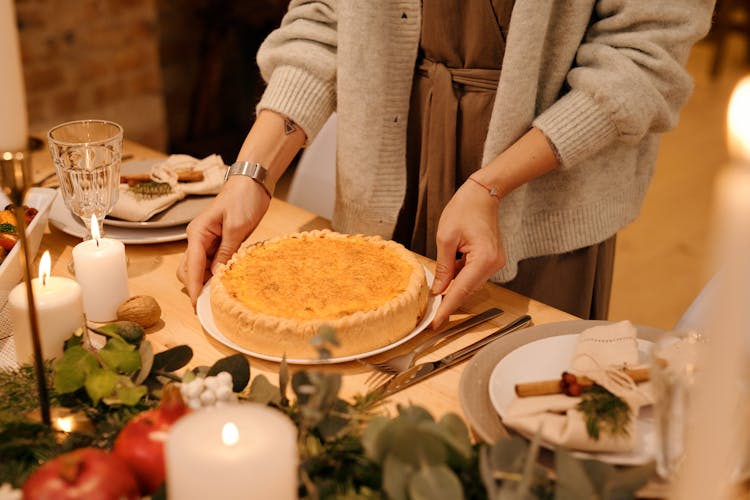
(93, 59)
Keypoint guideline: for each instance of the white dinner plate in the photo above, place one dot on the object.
(546, 359)
(65, 221)
(178, 214)
(206, 317)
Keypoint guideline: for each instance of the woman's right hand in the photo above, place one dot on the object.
(217, 233)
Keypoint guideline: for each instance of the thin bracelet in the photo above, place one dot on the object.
(492, 190)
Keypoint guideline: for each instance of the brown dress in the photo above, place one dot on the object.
(460, 58)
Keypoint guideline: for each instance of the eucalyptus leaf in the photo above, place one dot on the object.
(396, 475)
(237, 366)
(414, 414)
(507, 454)
(146, 352)
(129, 331)
(263, 391)
(120, 356)
(172, 359)
(100, 383)
(332, 426)
(573, 482)
(456, 437)
(374, 447)
(402, 438)
(71, 369)
(611, 483)
(435, 482)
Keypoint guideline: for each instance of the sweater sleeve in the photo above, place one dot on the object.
(629, 77)
(298, 62)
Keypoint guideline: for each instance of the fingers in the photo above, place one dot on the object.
(232, 236)
(193, 269)
(471, 278)
(445, 263)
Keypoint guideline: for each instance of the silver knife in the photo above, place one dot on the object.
(418, 373)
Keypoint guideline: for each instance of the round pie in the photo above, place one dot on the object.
(273, 297)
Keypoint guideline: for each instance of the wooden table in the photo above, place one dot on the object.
(152, 268)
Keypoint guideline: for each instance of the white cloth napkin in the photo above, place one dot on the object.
(136, 206)
(600, 351)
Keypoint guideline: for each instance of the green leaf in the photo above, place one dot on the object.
(120, 356)
(129, 331)
(507, 454)
(100, 383)
(237, 366)
(333, 425)
(402, 438)
(414, 414)
(573, 482)
(612, 483)
(75, 340)
(454, 432)
(435, 482)
(8, 228)
(130, 396)
(71, 369)
(373, 445)
(326, 335)
(173, 358)
(396, 475)
(263, 391)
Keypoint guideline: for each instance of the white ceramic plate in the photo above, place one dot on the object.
(65, 221)
(546, 359)
(178, 214)
(206, 317)
(10, 269)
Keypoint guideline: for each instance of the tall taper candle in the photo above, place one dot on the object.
(14, 127)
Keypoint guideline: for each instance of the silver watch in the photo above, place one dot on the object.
(255, 171)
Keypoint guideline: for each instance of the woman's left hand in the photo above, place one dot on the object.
(468, 225)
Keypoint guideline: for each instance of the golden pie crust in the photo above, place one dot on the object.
(272, 297)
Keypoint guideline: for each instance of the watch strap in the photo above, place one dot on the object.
(255, 171)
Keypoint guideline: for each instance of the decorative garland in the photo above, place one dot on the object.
(347, 449)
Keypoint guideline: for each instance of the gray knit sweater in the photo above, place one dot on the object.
(600, 78)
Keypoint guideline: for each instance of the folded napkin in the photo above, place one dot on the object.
(601, 352)
(142, 201)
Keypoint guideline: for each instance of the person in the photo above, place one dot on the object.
(508, 140)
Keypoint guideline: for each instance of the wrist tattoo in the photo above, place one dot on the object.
(289, 126)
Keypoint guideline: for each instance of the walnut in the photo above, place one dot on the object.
(141, 309)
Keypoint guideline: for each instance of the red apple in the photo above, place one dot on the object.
(82, 474)
(140, 443)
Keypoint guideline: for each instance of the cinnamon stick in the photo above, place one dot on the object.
(547, 387)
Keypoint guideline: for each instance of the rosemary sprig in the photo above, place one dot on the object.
(603, 411)
(151, 189)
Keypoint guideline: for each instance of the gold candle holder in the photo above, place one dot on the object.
(16, 178)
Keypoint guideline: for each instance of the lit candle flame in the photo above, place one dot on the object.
(65, 424)
(230, 434)
(95, 234)
(45, 267)
(738, 122)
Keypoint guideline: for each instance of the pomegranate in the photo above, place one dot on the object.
(140, 443)
(85, 474)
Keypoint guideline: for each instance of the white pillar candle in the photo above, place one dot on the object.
(59, 311)
(716, 440)
(14, 121)
(101, 269)
(241, 451)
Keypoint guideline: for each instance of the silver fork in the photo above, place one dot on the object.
(398, 364)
